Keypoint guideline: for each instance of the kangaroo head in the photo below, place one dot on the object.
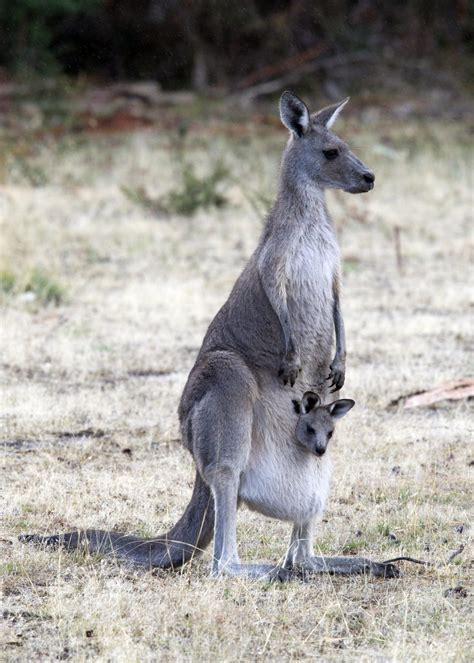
(316, 422)
(315, 155)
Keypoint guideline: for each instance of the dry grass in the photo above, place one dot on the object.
(110, 356)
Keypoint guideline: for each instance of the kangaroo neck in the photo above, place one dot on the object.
(300, 202)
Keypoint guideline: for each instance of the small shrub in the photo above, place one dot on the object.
(191, 194)
(140, 197)
(197, 192)
(33, 174)
(7, 282)
(45, 288)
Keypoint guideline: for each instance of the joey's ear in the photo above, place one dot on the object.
(327, 116)
(309, 401)
(294, 113)
(341, 407)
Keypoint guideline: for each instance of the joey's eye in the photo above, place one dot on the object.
(331, 154)
(310, 430)
(330, 435)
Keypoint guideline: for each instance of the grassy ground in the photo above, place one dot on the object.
(104, 304)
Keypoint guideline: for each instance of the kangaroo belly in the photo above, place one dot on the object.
(282, 480)
(294, 491)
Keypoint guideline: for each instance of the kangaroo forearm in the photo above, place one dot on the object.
(284, 318)
(339, 329)
(337, 368)
(276, 295)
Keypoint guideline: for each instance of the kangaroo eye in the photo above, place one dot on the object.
(331, 154)
(310, 430)
(330, 435)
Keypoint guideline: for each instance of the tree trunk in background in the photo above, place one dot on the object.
(200, 73)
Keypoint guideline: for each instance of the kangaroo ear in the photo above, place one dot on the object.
(294, 113)
(309, 401)
(341, 407)
(327, 116)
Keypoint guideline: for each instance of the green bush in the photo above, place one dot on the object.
(7, 282)
(192, 192)
(45, 288)
(196, 192)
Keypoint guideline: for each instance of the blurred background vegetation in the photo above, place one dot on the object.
(218, 46)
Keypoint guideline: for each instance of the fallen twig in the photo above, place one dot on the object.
(455, 553)
(403, 558)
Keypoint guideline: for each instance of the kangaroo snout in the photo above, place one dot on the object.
(319, 450)
(367, 181)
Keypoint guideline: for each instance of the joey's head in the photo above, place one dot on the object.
(315, 155)
(316, 422)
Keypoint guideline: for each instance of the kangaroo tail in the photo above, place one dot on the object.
(191, 534)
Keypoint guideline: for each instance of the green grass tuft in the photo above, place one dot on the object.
(7, 282)
(45, 288)
(196, 192)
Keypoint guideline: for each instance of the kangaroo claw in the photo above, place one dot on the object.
(290, 368)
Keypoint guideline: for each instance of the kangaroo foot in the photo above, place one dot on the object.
(348, 566)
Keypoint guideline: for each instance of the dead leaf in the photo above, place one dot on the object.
(448, 391)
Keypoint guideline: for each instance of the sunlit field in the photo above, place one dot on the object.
(106, 293)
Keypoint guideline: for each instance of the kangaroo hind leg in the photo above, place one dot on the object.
(222, 434)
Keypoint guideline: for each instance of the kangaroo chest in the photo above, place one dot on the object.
(312, 262)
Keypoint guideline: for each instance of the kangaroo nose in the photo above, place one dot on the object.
(368, 177)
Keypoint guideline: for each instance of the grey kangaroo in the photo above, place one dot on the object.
(269, 343)
(316, 422)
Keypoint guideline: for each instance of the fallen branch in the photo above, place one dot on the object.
(457, 552)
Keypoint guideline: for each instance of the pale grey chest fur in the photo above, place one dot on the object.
(311, 266)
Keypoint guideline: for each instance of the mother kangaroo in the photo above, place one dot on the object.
(270, 342)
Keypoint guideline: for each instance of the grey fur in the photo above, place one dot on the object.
(316, 422)
(270, 342)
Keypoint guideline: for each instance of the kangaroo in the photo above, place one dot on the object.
(270, 342)
(316, 422)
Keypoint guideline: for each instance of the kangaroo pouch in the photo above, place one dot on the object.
(281, 480)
